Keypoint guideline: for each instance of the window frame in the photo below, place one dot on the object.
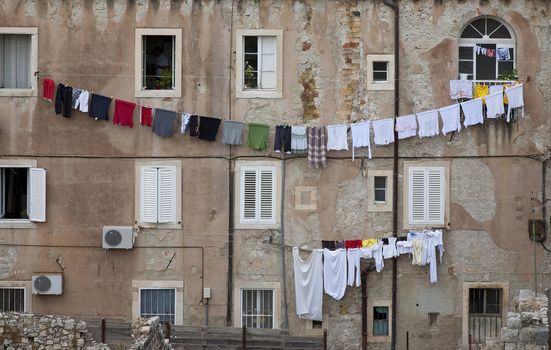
(240, 285)
(156, 288)
(510, 43)
(371, 305)
(387, 321)
(33, 91)
(138, 62)
(375, 188)
(379, 81)
(159, 284)
(26, 285)
(24, 298)
(372, 84)
(139, 164)
(240, 91)
(372, 204)
(273, 306)
(240, 167)
(444, 166)
(25, 223)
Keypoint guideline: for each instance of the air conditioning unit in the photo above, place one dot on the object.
(118, 237)
(47, 284)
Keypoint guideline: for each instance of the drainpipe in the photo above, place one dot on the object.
(231, 192)
(364, 308)
(282, 244)
(396, 6)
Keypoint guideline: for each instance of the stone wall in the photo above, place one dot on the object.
(148, 334)
(527, 327)
(21, 331)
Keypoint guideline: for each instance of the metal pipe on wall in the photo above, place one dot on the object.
(282, 243)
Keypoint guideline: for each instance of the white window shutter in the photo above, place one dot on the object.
(435, 195)
(167, 195)
(248, 195)
(417, 196)
(267, 189)
(148, 195)
(268, 62)
(37, 203)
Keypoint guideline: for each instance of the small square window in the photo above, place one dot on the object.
(380, 320)
(380, 188)
(12, 299)
(317, 324)
(158, 302)
(380, 71)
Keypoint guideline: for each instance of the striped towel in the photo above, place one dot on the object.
(316, 147)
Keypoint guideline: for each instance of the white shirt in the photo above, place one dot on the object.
(309, 285)
(334, 272)
(516, 99)
(472, 110)
(494, 105)
(406, 126)
(337, 137)
(450, 118)
(383, 131)
(360, 136)
(428, 123)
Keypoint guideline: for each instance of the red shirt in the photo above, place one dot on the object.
(146, 116)
(123, 112)
(353, 243)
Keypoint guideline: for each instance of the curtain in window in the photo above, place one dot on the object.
(15, 61)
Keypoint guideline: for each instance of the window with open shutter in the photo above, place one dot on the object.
(158, 194)
(258, 195)
(426, 195)
(37, 203)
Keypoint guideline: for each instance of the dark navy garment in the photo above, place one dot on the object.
(99, 107)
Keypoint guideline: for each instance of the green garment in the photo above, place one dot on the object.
(258, 136)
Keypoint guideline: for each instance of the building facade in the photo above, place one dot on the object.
(279, 62)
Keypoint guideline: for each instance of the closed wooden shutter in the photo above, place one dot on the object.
(167, 195)
(37, 187)
(248, 195)
(267, 203)
(267, 45)
(148, 195)
(426, 195)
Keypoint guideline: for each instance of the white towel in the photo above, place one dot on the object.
(299, 142)
(383, 131)
(334, 272)
(336, 137)
(494, 104)
(516, 99)
(360, 136)
(472, 110)
(309, 285)
(428, 123)
(450, 118)
(406, 126)
(461, 89)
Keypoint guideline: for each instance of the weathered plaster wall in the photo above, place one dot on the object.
(90, 44)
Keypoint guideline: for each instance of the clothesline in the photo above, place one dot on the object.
(313, 140)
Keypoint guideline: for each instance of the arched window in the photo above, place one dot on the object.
(486, 49)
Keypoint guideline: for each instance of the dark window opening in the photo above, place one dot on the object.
(14, 187)
(380, 188)
(317, 324)
(433, 319)
(380, 320)
(486, 66)
(158, 62)
(380, 71)
(484, 314)
(12, 299)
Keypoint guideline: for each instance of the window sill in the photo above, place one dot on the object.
(158, 93)
(157, 226)
(420, 226)
(379, 339)
(18, 93)
(259, 94)
(15, 224)
(374, 86)
(256, 226)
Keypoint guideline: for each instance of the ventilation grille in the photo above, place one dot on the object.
(113, 238)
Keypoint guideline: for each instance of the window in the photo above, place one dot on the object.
(158, 302)
(258, 196)
(380, 72)
(158, 62)
(487, 33)
(22, 194)
(433, 319)
(380, 189)
(426, 195)
(257, 308)
(484, 314)
(18, 61)
(380, 320)
(158, 193)
(259, 63)
(12, 299)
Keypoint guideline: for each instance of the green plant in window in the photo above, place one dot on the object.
(165, 82)
(511, 75)
(250, 80)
